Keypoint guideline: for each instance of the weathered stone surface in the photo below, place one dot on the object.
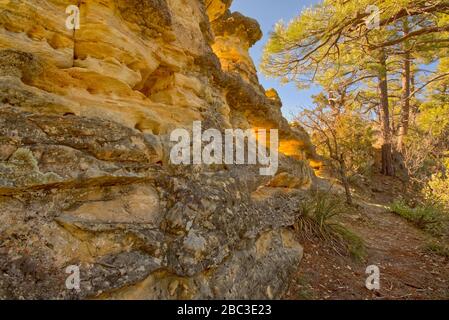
(85, 179)
(216, 8)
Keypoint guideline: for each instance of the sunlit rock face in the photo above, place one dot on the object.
(85, 176)
(234, 35)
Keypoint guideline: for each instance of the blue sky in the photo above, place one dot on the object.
(268, 13)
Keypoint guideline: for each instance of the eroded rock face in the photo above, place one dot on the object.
(85, 179)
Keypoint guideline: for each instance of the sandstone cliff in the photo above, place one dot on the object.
(85, 178)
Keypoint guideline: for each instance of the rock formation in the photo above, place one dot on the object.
(85, 178)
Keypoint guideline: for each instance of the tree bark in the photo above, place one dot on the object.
(344, 179)
(413, 107)
(387, 158)
(405, 102)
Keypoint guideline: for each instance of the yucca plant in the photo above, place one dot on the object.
(318, 220)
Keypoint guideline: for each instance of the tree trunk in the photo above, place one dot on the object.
(405, 102)
(387, 158)
(414, 107)
(344, 179)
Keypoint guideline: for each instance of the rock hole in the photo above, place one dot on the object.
(157, 81)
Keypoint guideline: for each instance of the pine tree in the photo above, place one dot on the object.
(334, 32)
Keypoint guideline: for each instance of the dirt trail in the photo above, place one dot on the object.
(393, 244)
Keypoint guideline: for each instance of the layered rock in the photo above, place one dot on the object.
(85, 179)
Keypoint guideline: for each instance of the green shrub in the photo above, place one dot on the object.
(437, 190)
(427, 217)
(318, 219)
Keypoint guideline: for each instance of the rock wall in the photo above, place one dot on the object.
(85, 179)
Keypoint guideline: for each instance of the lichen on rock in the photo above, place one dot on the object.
(21, 171)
